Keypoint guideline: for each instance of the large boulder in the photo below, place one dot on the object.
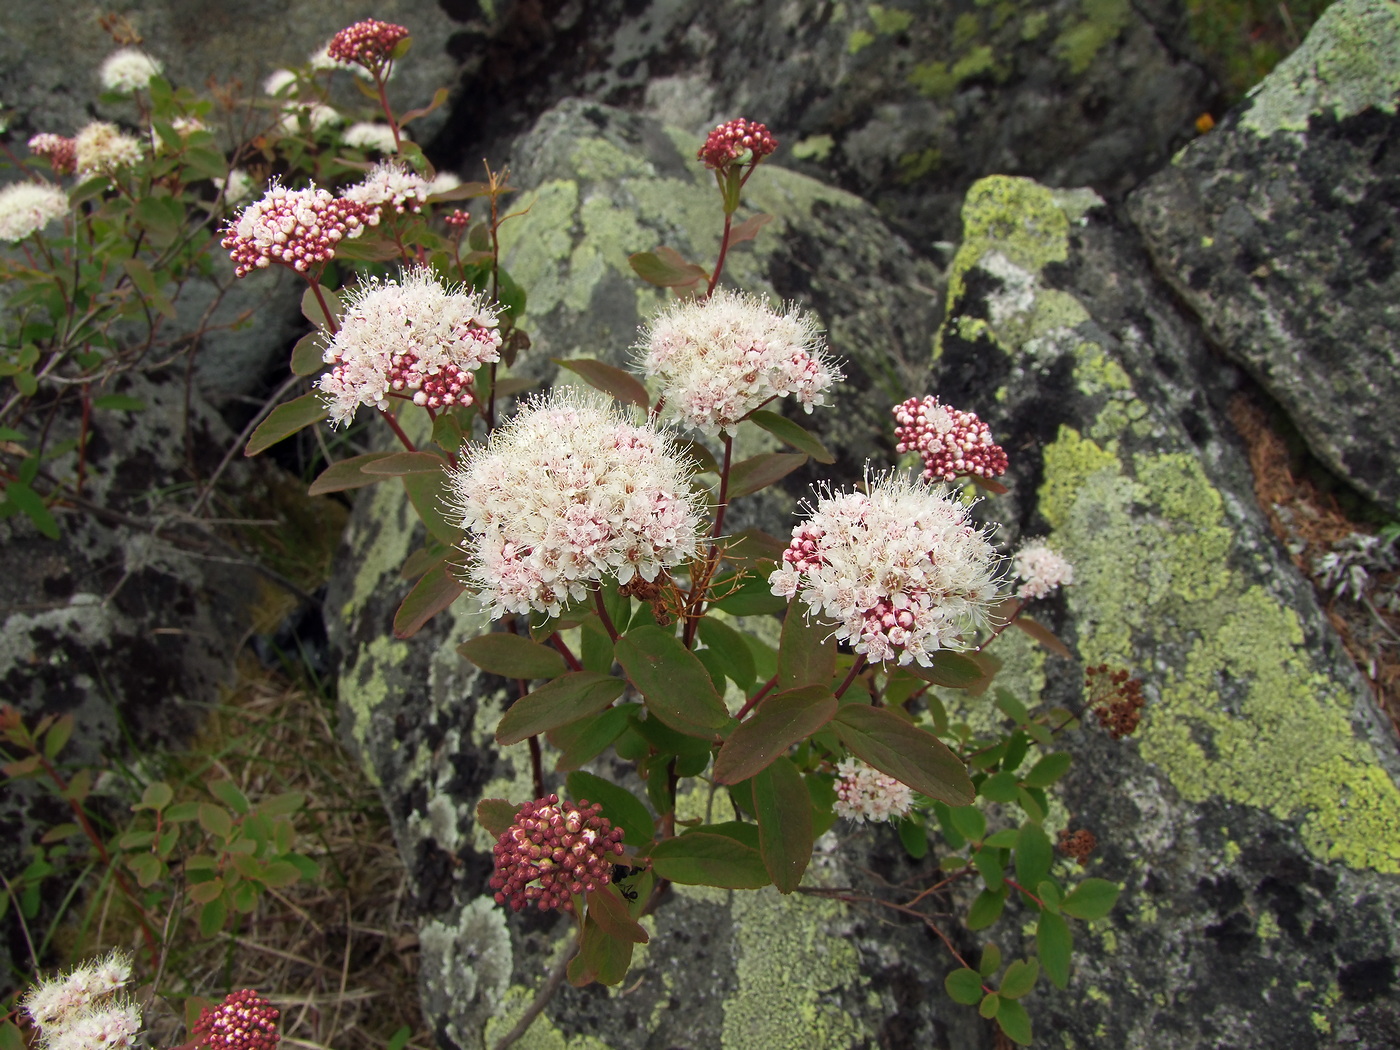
(1279, 230)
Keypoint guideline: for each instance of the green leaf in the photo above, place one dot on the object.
(999, 787)
(212, 917)
(1048, 770)
(282, 805)
(1015, 1022)
(347, 474)
(986, 909)
(58, 736)
(1020, 978)
(434, 592)
(964, 986)
(513, 656)
(666, 268)
(561, 701)
(620, 806)
(1049, 893)
(1004, 839)
(311, 308)
(308, 356)
(214, 820)
(147, 868)
(806, 653)
(970, 822)
(793, 434)
(950, 669)
(601, 957)
(784, 812)
(227, 792)
(751, 597)
(584, 740)
(730, 649)
(1034, 854)
(991, 960)
(204, 892)
(439, 97)
(1053, 943)
(989, 1006)
(32, 506)
(181, 811)
(611, 380)
(712, 857)
(11, 1038)
(913, 835)
(672, 681)
(758, 472)
(1044, 636)
(428, 492)
(609, 910)
(119, 403)
(911, 755)
(447, 432)
(280, 873)
(285, 420)
(1091, 899)
(780, 721)
(401, 464)
(1030, 804)
(496, 815)
(1011, 706)
(399, 1039)
(989, 862)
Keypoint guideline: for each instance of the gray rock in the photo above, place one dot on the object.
(1278, 229)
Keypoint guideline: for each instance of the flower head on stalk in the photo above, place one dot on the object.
(553, 850)
(369, 44)
(296, 228)
(376, 138)
(128, 70)
(243, 1021)
(82, 1011)
(102, 148)
(720, 358)
(900, 569)
(952, 443)
(864, 793)
(27, 207)
(566, 495)
(411, 337)
(735, 142)
(389, 185)
(61, 152)
(1041, 570)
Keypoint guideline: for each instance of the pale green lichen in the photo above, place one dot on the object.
(858, 41)
(1102, 22)
(889, 20)
(792, 963)
(1348, 62)
(813, 147)
(1267, 927)
(542, 1034)
(362, 695)
(473, 955)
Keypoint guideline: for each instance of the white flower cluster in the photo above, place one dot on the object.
(278, 81)
(864, 793)
(82, 1010)
(1041, 570)
(316, 114)
(411, 337)
(236, 187)
(128, 70)
(721, 358)
(101, 147)
(27, 207)
(567, 494)
(389, 184)
(371, 136)
(900, 569)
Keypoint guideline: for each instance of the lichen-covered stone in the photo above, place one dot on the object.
(1251, 819)
(1279, 230)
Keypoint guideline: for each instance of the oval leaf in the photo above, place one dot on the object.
(964, 986)
(911, 755)
(1091, 899)
(950, 669)
(760, 471)
(779, 722)
(584, 740)
(1015, 1022)
(794, 434)
(806, 653)
(496, 815)
(428, 494)
(398, 464)
(607, 908)
(1034, 854)
(308, 356)
(784, 811)
(610, 380)
(620, 806)
(1053, 943)
(1020, 978)
(666, 268)
(672, 680)
(285, 420)
(347, 474)
(704, 858)
(512, 656)
(434, 592)
(311, 307)
(1044, 636)
(564, 700)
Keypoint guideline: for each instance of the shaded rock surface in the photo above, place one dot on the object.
(1279, 229)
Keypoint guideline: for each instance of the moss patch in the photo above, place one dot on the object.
(1101, 23)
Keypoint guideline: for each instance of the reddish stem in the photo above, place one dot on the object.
(996, 632)
(394, 426)
(603, 613)
(315, 282)
(1017, 886)
(379, 81)
(723, 251)
(697, 595)
(856, 668)
(752, 701)
(564, 651)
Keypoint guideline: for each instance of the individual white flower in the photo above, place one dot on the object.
(236, 187)
(444, 182)
(410, 337)
(719, 359)
(1042, 570)
(101, 148)
(900, 570)
(864, 793)
(27, 207)
(389, 184)
(128, 70)
(566, 495)
(371, 136)
(278, 81)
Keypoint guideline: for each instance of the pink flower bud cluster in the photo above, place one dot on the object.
(458, 219)
(1041, 570)
(730, 141)
(554, 849)
(720, 358)
(864, 793)
(62, 153)
(952, 443)
(412, 338)
(243, 1021)
(297, 228)
(899, 570)
(369, 43)
(569, 494)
